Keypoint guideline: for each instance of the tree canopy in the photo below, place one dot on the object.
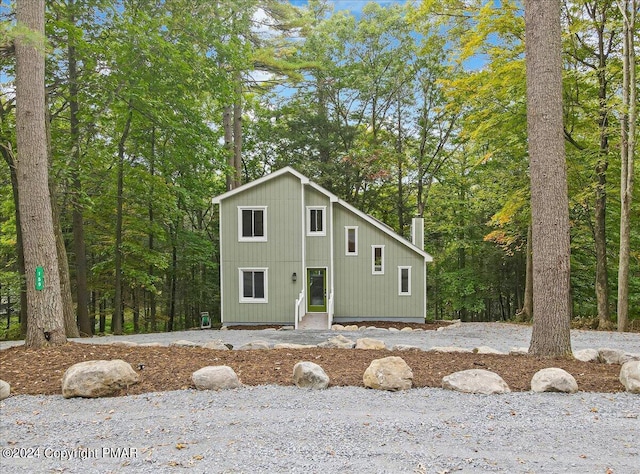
(402, 110)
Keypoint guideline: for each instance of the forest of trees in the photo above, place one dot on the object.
(156, 106)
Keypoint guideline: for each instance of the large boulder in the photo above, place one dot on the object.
(97, 378)
(406, 347)
(184, 343)
(310, 375)
(586, 355)
(487, 350)
(629, 356)
(124, 343)
(448, 349)
(218, 377)
(216, 345)
(292, 345)
(254, 345)
(630, 376)
(611, 356)
(338, 342)
(553, 379)
(370, 343)
(5, 389)
(519, 351)
(475, 381)
(390, 373)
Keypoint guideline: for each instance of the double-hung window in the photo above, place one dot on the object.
(404, 281)
(252, 224)
(316, 220)
(351, 240)
(377, 259)
(253, 285)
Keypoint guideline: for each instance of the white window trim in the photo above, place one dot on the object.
(264, 223)
(324, 221)
(241, 285)
(400, 292)
(373, 260)
(346, 241)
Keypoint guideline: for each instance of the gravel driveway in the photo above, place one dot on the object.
(272, 429)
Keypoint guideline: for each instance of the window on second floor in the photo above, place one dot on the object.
(316, 220)
(252, 224)
(351, 240)
(377, 259)
(404, 281)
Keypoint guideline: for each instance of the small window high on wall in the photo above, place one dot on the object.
(377, 259)
(351, 240)
(404, 281)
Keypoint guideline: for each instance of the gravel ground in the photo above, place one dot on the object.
(272, 429)
(501, 336)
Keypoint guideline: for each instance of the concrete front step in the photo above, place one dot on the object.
(314, 321)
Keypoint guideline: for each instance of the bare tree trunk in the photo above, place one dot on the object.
(70, 324)
(10, 159)
(103, 316)
(549, 196)
(237, 133)
(152, 293)
(227, 125)
(527, 306)
(44, 300)
(82, 292)
(627, 150)
(116, 325)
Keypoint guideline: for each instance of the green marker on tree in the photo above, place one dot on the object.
(39, 278)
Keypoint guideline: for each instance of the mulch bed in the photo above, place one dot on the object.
(169, 368)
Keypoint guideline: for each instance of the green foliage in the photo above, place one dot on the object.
(390, 110)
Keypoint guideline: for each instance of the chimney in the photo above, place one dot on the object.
(417, 232)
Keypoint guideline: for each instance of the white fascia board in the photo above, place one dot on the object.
(259, 181)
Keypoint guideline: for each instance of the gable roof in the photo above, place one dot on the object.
(332, 197)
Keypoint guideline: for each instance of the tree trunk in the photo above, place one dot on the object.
(44, 300)
(136, 311)
(70, 324)
(10, 159)
(172, 302)
(79, 247)
(237, 133)
(527, 306)
(116, 325)
(627, 150)
(152, 292)
(549, 196)
(103, 316)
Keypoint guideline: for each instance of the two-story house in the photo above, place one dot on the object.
(290, 248)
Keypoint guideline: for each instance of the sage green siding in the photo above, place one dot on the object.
(281, 254)
(358, 293)
(363, 295)
(318, 248)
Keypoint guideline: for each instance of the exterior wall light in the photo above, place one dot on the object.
(294, 277)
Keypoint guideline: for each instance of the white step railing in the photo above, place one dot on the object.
(299, 312)
(330, 311)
